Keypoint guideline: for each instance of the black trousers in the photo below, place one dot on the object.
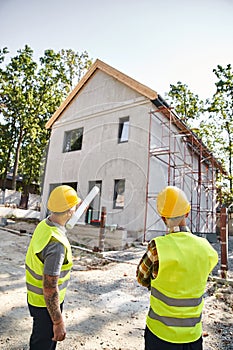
(42, 329)
(154, 343)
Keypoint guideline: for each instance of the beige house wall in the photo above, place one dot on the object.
(98, 108)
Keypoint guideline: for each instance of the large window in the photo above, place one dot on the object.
(123, 132)
(119, 194)
(73, 140)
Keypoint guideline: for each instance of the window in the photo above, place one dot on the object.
(123, 133)
(119, 194)
(93, 213)
(73, 140)
(74, 185)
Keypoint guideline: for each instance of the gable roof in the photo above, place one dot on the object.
(123, 78)
(152, 95)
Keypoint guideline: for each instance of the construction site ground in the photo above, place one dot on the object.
(105, 308)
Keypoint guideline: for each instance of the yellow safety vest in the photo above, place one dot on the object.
(35, 267)
(176, 300)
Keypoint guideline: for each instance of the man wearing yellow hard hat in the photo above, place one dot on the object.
(175, 269)
(48, 263)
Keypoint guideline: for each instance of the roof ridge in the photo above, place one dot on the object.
(123, 78)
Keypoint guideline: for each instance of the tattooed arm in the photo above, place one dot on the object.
(51, 296)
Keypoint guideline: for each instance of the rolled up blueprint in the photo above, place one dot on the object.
(83, 206)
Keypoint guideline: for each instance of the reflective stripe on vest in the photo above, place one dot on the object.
(35, 267)
(173, 301)
(39, 277)
(173, 321)
(176, 299)
(39, 291)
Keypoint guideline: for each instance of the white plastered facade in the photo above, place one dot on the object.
(98, 108)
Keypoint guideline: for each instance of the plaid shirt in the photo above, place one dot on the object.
(148, 266)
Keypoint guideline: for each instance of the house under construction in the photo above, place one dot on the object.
(120, 135)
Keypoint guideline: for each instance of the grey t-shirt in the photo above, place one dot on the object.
(53, 254)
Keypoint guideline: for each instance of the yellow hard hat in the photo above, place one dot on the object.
(62, 198)
(172, 202)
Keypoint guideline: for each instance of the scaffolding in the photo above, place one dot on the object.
(188, 164)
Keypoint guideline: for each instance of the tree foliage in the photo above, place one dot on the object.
(187, 104)
(212, 119)
(221, 113)
(30, 93)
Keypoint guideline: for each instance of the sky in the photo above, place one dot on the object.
(158, 43)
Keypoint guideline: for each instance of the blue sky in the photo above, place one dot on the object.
(155, 42)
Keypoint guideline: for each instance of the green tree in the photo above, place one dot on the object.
(29, 94)
(75, 64)
(221, 114)
(212, 121)
(6, 145)
(188, 105)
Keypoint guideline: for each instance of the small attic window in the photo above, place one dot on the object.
(123, 132)
(73, 140)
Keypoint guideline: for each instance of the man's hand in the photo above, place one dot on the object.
(59, 331)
